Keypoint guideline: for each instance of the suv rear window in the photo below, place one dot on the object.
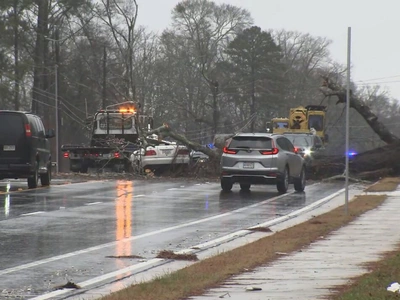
(11, 124)
(251, 142)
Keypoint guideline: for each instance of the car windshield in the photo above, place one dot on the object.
(251, 142)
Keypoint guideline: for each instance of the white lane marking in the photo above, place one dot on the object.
(138, 196)
(156, 261)
(69, 183)
(301, 210)
(112, 244)
(172, 189)
(133, 268)
(33, 213)
(93, 203)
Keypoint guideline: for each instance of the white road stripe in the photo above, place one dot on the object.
(93, 203)
(150, 263)
(33, 213)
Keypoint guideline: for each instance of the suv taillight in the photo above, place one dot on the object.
(229, 151)
(28, 131)
(269, 151)
(150, 153)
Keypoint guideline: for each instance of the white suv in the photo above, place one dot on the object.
(262, 158)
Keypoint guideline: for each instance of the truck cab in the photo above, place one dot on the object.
(115, 132)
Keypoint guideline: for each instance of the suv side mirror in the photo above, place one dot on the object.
(50, 133)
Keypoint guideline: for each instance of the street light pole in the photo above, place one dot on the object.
(347, 120)
(56, 106)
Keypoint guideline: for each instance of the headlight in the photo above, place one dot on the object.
(307, 152)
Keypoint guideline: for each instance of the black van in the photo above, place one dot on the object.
(24, 148)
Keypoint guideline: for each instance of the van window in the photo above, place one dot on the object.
(40, 127)
(251, 142)
(11, 124)
(32, 122)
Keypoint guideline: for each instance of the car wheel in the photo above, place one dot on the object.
(245, 186)
(283, 182)
(226, 185)
(33, 179)
(300, 182)
(46, 177)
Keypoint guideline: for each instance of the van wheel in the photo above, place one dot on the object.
(300, 183)
(226, 185)
(33, 179)
(46, 177)
(283, 183)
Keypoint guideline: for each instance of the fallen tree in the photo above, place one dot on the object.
(371, 164)
(330, 89)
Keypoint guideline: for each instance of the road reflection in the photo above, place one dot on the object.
(123, 210)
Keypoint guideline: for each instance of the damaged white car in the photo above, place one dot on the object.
(160, 154)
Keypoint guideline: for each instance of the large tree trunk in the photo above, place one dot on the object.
(39, 73)
(16, 56)
(166, 131)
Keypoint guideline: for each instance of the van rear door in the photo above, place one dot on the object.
(13, 141)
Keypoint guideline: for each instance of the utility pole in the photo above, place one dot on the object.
(56, 105)
(104, 77)
(347, 119)
(58, 114)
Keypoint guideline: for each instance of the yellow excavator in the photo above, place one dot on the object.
(310, 118)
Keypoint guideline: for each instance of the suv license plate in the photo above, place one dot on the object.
(248, 165)
(9, 148)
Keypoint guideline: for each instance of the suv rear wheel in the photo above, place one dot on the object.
(33, 179)
(226, 184)
(245, 186)
(300, 182)
(283, 183)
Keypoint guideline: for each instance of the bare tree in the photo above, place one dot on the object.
(120, 17)
(208, 28)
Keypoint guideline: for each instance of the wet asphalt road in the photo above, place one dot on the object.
(73, 232)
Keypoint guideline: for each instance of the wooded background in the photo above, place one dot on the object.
(212, 71)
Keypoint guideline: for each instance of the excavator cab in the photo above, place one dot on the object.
(316, 120)
(278, 125)
(298, 118)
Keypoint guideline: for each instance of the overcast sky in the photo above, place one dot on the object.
(374, 24)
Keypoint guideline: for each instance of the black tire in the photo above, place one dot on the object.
(300, 183)
(226, 185)
(46, 177)
(283, 183)
(33, 179)
(245, 186)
